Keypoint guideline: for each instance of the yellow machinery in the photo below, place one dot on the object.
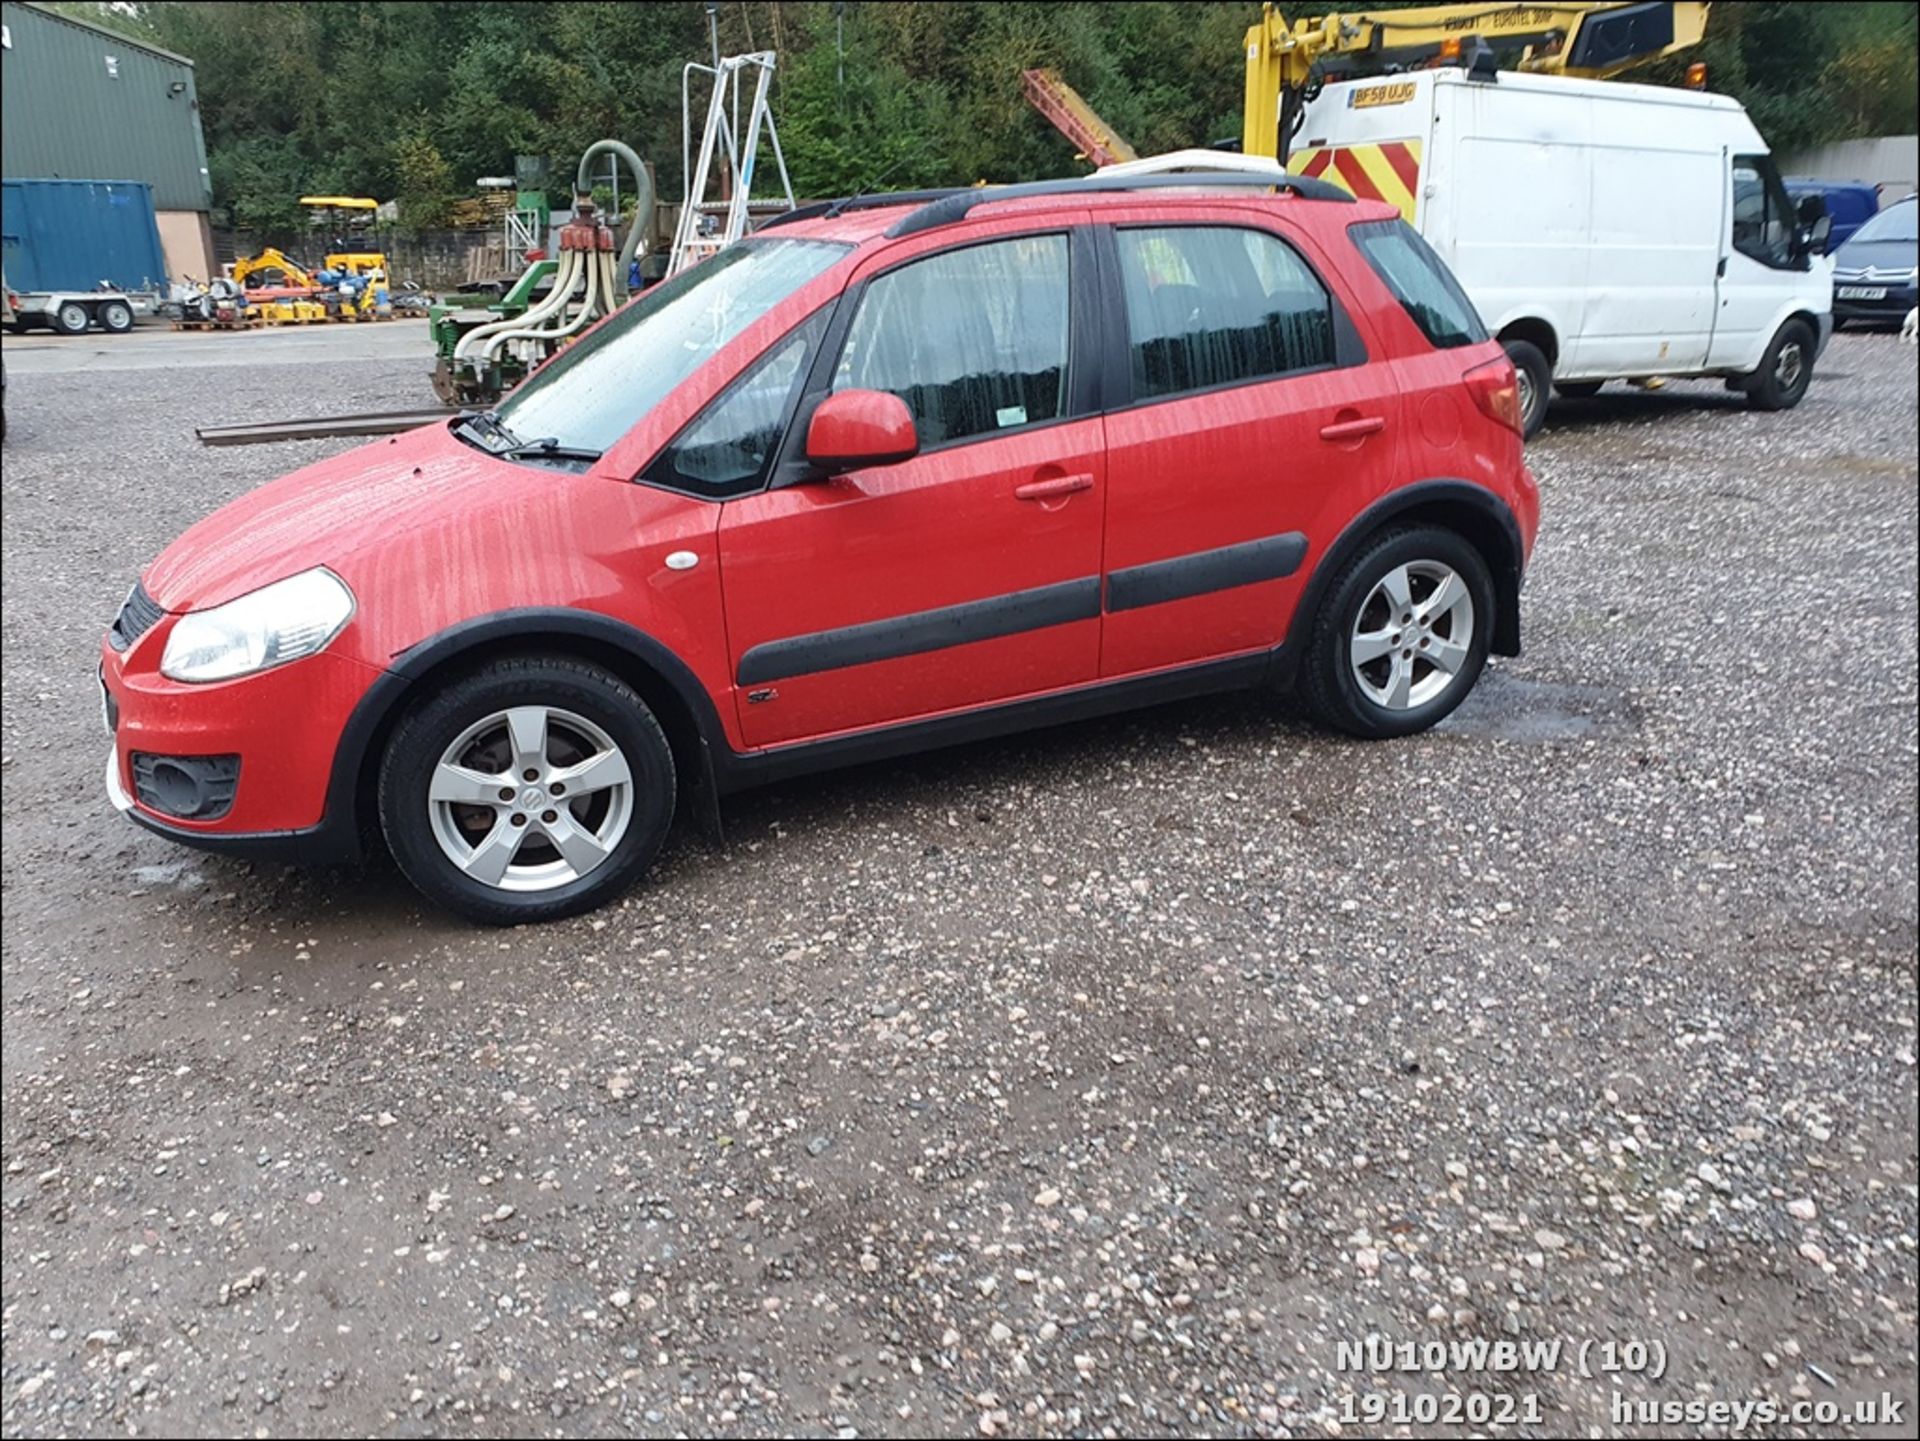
(1286, 63)
(1070, 114)
(346, 213)
(253, 272)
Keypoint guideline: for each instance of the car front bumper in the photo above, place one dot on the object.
(1889, 309)
(281, 727)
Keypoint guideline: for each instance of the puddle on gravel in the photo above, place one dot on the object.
(1504, 707)
(178, 874)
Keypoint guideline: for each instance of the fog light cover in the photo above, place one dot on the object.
(189, 788)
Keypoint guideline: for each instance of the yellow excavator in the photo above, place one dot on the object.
(1287, 62)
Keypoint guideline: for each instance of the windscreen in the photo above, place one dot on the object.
(592, 393)
(1897, 222)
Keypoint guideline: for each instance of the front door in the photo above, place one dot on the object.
(965, 576)
(1758, 268)
(1255, 428)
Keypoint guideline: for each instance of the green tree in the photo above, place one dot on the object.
(388, 98)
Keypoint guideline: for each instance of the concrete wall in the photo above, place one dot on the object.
(187, 241)
(1891, 162)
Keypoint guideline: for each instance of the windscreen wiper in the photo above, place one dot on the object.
(548, 447)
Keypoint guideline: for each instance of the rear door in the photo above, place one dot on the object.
(1250, 428)
(969, 574)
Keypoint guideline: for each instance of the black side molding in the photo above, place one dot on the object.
(925, 630)
(1088, 702)
(1271, 558)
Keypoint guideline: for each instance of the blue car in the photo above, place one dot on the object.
(1874, 272)
(1850, 204)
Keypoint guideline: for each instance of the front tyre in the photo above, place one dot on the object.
(1785, 371)
(1401, 635)
(72, 318)
(529, 790)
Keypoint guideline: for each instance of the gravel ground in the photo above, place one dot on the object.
(1095, 1082)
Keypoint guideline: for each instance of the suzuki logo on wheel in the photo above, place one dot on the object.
(531, 796)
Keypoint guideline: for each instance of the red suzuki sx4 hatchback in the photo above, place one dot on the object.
(894, 472)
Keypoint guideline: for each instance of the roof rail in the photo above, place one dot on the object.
(827, 209)
(954, 206)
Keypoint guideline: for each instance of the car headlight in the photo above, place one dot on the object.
(284, 621)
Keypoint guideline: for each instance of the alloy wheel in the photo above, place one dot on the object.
(530, 799)
(1412, 636)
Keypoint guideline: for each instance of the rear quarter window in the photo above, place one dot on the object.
(1421, 282)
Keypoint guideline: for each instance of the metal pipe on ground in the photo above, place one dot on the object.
(385, 422)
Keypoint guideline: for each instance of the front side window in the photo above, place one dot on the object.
(1762, 215)
(730, 445)
(1421, 282)
(973, 340)
(1219, 305)
(592, 393)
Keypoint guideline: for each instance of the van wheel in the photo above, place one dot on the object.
(72, 318)
(1786, 371)
(529, 790)
(1577, 389)
(117, 316)
(1402, 634)
(1535, 379)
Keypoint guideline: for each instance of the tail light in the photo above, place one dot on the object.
(1496, 390)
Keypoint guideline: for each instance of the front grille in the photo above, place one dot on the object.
(1872, 275)
(138, 615)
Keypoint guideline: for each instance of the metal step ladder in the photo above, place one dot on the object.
(709, 224)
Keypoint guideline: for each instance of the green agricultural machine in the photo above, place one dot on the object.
(485, 343)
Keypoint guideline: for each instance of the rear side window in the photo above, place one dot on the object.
(1219, 305)
(1421, 282)
(973, 340)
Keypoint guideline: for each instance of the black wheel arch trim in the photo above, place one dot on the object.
(1507, 570)
(343, 825)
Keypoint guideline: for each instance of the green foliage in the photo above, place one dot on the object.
(422, 179)
(415, 101)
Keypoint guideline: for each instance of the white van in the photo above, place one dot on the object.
(1604, 230)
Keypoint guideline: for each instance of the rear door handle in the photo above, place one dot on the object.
(1051, 489)
(1353, 429)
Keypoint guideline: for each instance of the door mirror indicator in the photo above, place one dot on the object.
(852, 429)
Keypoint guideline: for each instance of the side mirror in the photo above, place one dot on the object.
(1819, 234)
(1811, 208)
(852, 429)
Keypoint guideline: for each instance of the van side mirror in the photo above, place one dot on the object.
(1817, 236)
(852, 429)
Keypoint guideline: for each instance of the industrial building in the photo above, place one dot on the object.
(80, 102)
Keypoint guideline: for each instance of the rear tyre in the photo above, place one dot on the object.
(1401, 635)
(117, 316)
(1786, 371)
(1578, 389)
(1535, 379)
(71, 318)
(529, 790)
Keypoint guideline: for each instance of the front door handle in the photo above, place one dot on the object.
(1052, 489)
(1353, 429)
